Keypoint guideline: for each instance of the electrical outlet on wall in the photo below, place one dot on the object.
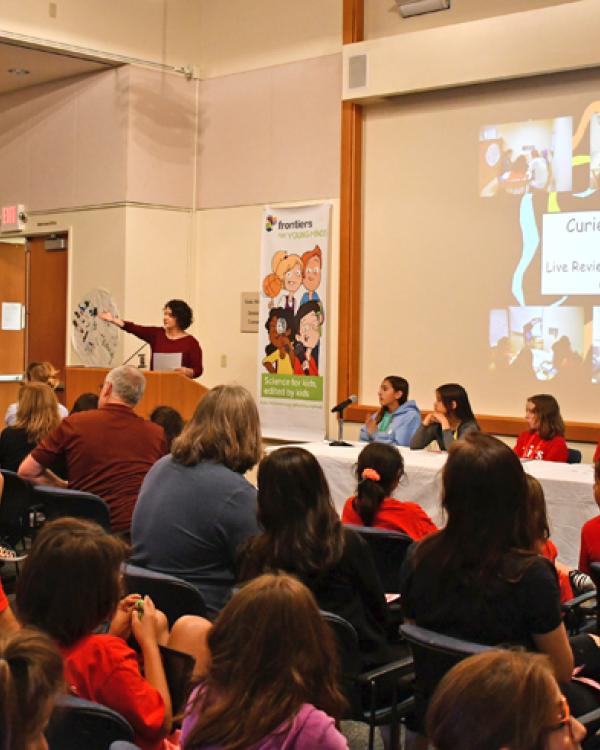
(52, 10)
(223, 360)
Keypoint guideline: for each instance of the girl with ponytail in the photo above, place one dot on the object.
(378, 472)
(31, 677)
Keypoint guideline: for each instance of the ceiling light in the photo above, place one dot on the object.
(19, 71)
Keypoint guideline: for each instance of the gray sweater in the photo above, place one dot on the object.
(426, 434)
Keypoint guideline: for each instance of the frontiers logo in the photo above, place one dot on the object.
(270, 222)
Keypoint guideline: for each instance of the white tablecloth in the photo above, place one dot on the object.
(568, 488)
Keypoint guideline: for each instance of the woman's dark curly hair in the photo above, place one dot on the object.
(182, 312)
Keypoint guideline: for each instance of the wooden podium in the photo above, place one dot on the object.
(162, 389)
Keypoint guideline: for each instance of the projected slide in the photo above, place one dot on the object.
(553, 175)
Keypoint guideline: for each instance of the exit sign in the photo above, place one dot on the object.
(13, 218)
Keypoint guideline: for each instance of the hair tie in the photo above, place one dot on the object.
(371, 474)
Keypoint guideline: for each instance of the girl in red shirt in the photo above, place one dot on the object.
(70, 586)
(378, 471)
(544, 440)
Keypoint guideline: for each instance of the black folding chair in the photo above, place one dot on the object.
(573, 456)
(57, 503)
(389, 550)
(78, 724)
(17, 500)
(381, 696)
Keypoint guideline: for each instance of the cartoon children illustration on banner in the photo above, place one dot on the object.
(294, 328)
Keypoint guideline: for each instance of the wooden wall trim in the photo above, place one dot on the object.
(580, 432)
(350, 223)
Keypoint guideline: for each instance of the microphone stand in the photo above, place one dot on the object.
(137, 351)
(340, 442)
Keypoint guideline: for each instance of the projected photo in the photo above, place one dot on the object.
(526, 157)
(595, 151)
(545, 341)
(596, 345)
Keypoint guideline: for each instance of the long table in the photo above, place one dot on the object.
(568, 488)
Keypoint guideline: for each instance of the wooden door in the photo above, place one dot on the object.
(13, 287)
(47, 302)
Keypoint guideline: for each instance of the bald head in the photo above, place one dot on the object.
(125, 384)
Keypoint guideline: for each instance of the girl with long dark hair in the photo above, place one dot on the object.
(452, 418)
(480, 578)
(303, 535)
(397, 419)
(379, 470)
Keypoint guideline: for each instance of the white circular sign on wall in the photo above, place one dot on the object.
(94, 340)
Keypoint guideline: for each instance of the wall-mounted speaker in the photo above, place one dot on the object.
(418, 7)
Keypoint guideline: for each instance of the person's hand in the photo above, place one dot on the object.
(371, 424)
(107, 316)
(143, 624)
(187, 371)
(430, 418)
(120, 625)
(442, 420)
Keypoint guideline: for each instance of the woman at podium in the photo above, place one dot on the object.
(169, 341)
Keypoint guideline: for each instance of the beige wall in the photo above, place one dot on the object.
(270, 135)
(239, 35)
(163, 31)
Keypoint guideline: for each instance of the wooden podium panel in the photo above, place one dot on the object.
(162, 389)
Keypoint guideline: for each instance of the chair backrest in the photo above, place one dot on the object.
(346, 641)
(434, 654)
(389, 550)
(58, 503)
(174, 596)
(78, 724)
(574, 456)
(123, 746)
(17, 498)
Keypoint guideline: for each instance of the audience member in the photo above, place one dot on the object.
(195, 506)
(303, 535)
(540, 534)
(86, 562)
(378, 472)
(108, 450)
(397, 420)
(479, 578)
(170, 420)
(589, 551)
(8, 623)
(37, 372)
(85, 402)
(452, 418)
(37, 415)
(31, 678)
(544, 440)
(502, 699)
(271, 681)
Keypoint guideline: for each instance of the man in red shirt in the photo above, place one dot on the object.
(108, 450)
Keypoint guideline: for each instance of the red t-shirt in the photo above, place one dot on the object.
(596, 453)
(589, 550)
(108, 451)
(530, 445)
(104, 669)
(191, 353)
(394, 515)
(3, 599)
(550, 552)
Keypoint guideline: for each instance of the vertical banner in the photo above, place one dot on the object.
(292, 327)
